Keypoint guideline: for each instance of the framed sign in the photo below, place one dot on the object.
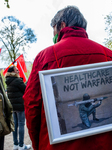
(77, 101)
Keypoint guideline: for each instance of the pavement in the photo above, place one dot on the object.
(8, 145)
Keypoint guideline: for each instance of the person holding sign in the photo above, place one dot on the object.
(72, 47)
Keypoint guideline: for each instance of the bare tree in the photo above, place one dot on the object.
(7, 3)
(15, 36)
(108, 29)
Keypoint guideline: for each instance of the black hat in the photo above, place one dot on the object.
(11, 69)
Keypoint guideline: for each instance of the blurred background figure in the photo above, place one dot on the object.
(15, 91)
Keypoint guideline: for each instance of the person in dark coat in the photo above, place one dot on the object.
(15, 91)
(1, 142)
(1, 137)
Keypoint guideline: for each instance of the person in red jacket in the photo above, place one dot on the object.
(72, 48)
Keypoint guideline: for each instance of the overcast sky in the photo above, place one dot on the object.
(37, 14)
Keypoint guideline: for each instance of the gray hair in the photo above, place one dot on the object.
(71, 15)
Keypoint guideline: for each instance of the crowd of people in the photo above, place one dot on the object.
(71, 47)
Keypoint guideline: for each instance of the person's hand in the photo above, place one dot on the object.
(93, 103)
(95, 99)
(100, 102)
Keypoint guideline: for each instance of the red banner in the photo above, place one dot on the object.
(21, 71)
(22, 62)
(5, 71)
(20, 65)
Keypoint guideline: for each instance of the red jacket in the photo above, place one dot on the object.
(73, 48)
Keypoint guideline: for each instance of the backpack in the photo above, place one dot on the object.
(6, 110)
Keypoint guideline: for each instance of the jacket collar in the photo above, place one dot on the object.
(72, 31)
(11, 74)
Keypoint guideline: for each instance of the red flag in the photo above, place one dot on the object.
(22, 62)
(0, 50)
(21, 71)
(5, 71)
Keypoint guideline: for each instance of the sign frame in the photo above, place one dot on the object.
(50, 101)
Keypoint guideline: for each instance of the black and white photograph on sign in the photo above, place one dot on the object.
(83, 99)
(77, 101)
